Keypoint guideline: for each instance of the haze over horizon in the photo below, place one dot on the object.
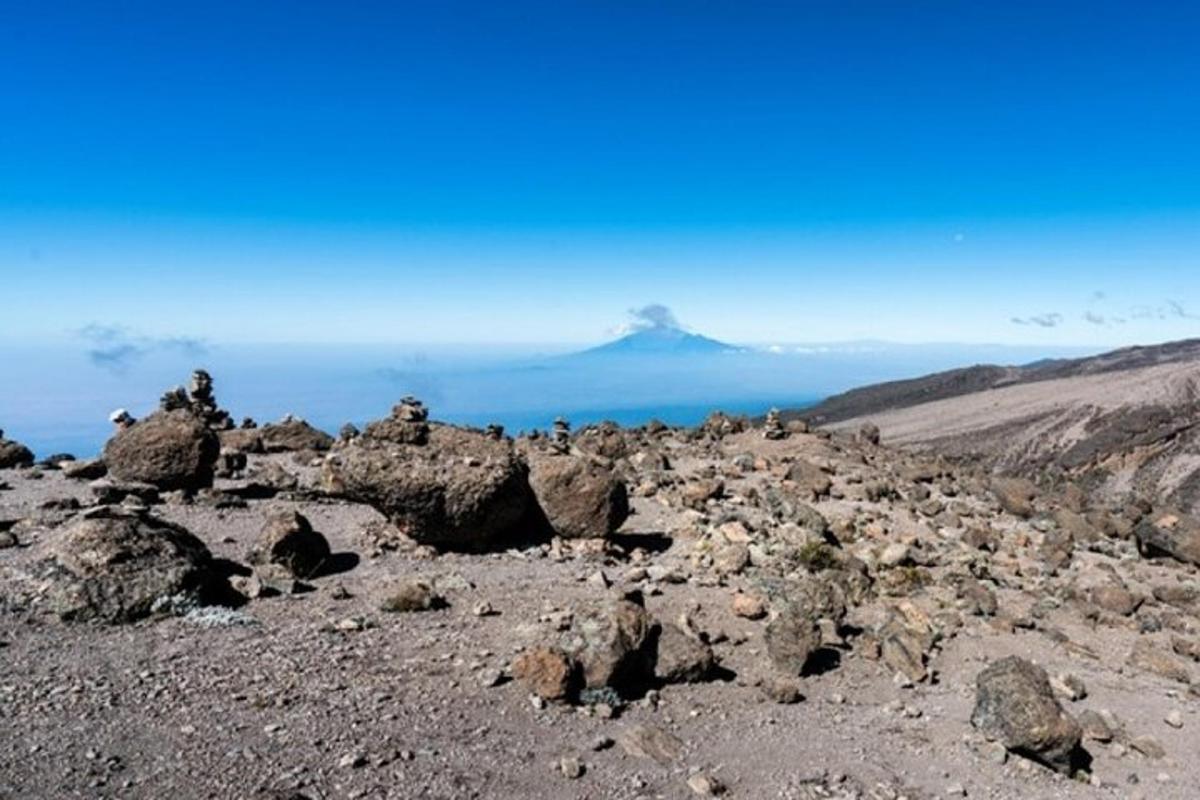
(1023, 174)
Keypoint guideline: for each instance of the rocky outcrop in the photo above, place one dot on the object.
(576, 497)
(1015, 705)
(168, 449)
(118, 566)
(439, 485)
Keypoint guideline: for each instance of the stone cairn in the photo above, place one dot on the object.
(199, 400)
(773, 426)
(560, 435)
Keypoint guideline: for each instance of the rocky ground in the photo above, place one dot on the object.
(452, 615)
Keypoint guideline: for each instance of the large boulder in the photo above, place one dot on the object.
(293, 435)
(14, 454)
(458, 489)
(578, 498)
(1170, 533)
(288, 540)
(119, 566)
(168, 449)
(614, 645)
(1015, 705)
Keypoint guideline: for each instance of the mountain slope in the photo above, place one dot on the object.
(1125, 425)
(879, 398)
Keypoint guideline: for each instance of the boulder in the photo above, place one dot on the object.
(293, 435)
(682, 657)
(613, 644)
(1170, 533)
(1016, 495)
(287, 539)
(812, 482)
(792, 638)
(88, 469)
(578, 498)
(168, 449)
(14, 454)
(459, 489)
(120, 566)
(1015, 705)
(545, 672)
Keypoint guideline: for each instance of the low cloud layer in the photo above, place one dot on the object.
(115, 347)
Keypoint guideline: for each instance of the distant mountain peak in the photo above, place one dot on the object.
(662, 340)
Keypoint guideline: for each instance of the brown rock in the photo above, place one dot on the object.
(287, 539)
(546, 672)
(578, 498)
(168, 449)
(461, 489)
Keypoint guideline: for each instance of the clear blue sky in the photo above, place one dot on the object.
(1019, 172)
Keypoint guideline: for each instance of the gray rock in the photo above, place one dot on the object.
(1015, 705)
(122, 566)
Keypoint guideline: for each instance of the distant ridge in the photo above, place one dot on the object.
(661, 340)
(896, 395)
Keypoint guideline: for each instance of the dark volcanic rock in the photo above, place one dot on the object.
(578, 498)
(1015, 705)
(681, 657)
(121, 567)
(14, 454)
(1170, 533)
(459, 489)
(614, 646)
(169, 449)
(287, 539)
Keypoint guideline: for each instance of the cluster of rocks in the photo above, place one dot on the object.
(613, 651)
(826, 548)
(462, 488)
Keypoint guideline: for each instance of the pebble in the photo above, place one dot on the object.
(1174, 719)
(570, 767)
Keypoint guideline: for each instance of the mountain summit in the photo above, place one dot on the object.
(662, 340)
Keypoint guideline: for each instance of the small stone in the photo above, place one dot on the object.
(352, 760)
(749, 606)
(956, 790)
(570, 767)
(484, 609)
(1148, 746)
(1174, 719)
(705, 785)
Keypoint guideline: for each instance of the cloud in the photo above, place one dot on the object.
(115, 347)
(1048, 320)
(1094, 318)
(654, 316)
(1177, 310)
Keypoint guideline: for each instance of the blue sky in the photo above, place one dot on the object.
(525, 172)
